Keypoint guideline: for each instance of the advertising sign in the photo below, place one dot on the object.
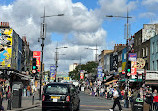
(6, 42)
(81, 74)
(37, 55)
(52, 72)
(133, 68)
(132, 57)
(152, 75)
(100, 71)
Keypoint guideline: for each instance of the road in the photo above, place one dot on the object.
(89, 103)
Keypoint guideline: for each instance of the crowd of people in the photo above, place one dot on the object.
(127, 96)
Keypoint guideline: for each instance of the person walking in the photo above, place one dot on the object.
(28, 90)
(155, 100)
(1, 97)
(116, 100)
(149, 99)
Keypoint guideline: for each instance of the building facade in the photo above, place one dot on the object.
(154, 53)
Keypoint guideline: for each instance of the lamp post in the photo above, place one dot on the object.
(43, 36)
(126, 17)
(56, 60)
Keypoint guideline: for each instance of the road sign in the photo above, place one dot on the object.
(128, 74)
(140, 63)
(33, 71)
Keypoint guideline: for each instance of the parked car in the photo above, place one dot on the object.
(60, 96)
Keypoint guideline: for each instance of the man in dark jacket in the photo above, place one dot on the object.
(149, 99)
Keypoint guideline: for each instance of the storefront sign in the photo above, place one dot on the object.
(37, 55)
(152, 75)
(132, 57)
(82, 74)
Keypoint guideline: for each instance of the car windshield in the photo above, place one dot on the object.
(57, 89)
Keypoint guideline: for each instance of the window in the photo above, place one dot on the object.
(153, 48)
(57, 89)
(153, 66)
(143, 51)
(124, 55)
(157, 46)
(157, 65)
(138, 53)
(146, 51)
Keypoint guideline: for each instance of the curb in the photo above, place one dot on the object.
(22, 109)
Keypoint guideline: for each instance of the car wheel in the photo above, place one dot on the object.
(78, 107)
(43, 109)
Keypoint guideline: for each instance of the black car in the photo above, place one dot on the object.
(60, 96)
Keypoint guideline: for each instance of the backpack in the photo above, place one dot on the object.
(120, 95)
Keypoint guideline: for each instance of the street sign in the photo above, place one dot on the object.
(140, 63)
(128, 74)
(33, 71)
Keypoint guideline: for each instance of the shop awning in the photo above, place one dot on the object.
(151, 82)
(24, 77)
(131, 80)
(110, 82)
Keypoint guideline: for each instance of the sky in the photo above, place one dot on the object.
(83, 25)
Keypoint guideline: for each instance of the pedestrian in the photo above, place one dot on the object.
(28, 90)
(116, 100)
(1, 97)
(155, 100)
(154, 94)
(149, 99)
(125, 97)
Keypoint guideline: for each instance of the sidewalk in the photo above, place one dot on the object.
(26, 103)
(124, 109)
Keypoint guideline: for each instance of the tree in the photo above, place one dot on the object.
(90, 67)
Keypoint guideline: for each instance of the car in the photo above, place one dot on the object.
(60, 97)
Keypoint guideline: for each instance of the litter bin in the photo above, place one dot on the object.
(138, 104)
(17, 98)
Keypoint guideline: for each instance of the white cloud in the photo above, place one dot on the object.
(84, 25)
(149, 2)
(116, 7)
(147, 15)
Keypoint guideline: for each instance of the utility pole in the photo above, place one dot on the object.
(56, 62)
(127, 17)
(43, 35)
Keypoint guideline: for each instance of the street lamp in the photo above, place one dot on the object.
(56, 59)
(43, 36)
(127, 17)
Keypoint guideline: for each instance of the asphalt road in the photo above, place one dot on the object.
(89, 103)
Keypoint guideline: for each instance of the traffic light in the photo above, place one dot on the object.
(34, 64)
(129, 67)
(34, 67)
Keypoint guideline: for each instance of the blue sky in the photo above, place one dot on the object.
(83, 26)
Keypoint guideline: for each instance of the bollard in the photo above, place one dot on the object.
(33, 99)
(9, 104)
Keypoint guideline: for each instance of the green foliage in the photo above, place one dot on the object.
(90, 67)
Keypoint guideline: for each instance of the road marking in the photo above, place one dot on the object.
(93, 106)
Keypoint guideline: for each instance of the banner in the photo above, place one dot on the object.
(132, 57)
(100, 71)
(37, 55)
(52, 72)
(133, 68)
(81, 74)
